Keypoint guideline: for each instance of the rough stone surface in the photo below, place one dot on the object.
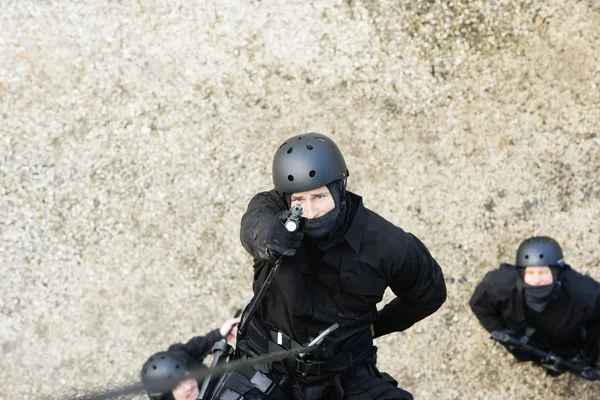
(133, 134)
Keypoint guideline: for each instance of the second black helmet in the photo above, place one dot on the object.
(161, 373)
(538, 251)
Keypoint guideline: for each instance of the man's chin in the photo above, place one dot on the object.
(194, 395)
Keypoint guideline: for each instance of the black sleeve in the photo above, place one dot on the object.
(485, 307)
(586, 291)
(262, 209)
(418, 283)
(197, 348)
(591, 341)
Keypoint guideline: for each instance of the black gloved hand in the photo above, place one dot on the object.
(280, 241)
(591, 374)
(519, 354)
(513, 332)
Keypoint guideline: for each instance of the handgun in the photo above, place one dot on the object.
(292, 223)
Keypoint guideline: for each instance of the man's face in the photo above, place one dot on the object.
(315, 203)
(186, 390)
(538, 276)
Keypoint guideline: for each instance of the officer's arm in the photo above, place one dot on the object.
(263, 208)
(591, 342)
(418, 282)
(197, 348)
(485, 307)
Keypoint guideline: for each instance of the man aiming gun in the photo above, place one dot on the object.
(334, 269)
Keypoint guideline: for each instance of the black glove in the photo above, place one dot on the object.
(512, 332)
(519, 354)
(280, 241)
(590, 374)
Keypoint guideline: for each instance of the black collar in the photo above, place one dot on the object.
(358, 222)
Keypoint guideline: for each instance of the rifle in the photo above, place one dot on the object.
(548, 359)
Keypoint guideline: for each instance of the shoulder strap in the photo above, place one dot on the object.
(520, 308)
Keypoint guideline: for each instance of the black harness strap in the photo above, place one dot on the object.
(340, 361)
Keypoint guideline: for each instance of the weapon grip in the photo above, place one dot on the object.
(500, 336)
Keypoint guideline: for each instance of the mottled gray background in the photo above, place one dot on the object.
(133, 134)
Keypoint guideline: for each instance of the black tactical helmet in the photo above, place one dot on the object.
(539, 250)
(307, 162)
(161, 373)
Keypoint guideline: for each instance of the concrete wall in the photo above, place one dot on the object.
(133, 134)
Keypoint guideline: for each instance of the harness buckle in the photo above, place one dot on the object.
(229, 394)
(262, 383)
(309, 367)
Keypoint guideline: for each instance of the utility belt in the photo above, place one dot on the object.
(237, 385)
(350, 356)
(332, 358)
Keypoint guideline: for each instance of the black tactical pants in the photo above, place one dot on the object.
(367, 384)
(362, 383)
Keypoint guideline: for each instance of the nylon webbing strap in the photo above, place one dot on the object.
(258, 299)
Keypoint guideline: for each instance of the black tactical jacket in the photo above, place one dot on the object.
(498, 302)
(314, 289)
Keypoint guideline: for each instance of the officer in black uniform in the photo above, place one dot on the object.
(165, 375)
(334, 269)
(560, 307)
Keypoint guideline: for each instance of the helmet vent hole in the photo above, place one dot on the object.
(309, 146)
(541, 256)
(300, 137)
(284, 143)
(162, 357)
(154, 367)
(312, 173)
(527, 256)
(290, 150)
(176, 366)
(291, 178)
